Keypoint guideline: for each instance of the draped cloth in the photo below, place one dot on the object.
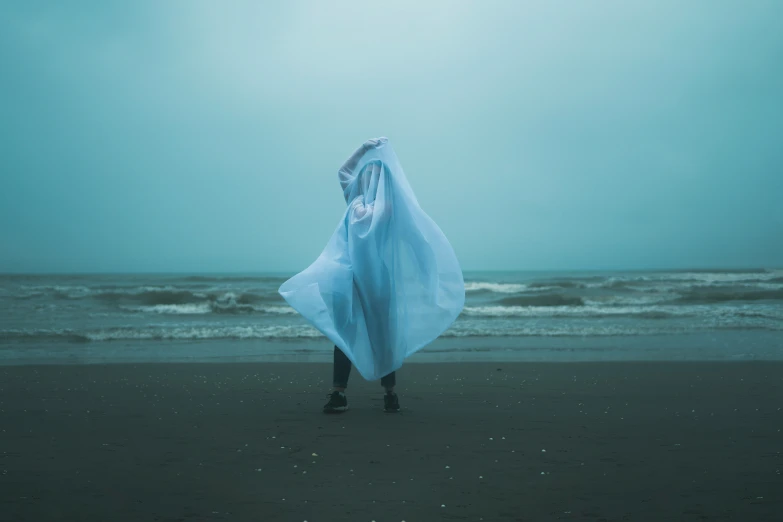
(388, 282)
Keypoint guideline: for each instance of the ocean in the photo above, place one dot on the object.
(580, 316)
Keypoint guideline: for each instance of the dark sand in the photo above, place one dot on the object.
(637, 442)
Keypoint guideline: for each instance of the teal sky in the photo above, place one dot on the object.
(206, 136)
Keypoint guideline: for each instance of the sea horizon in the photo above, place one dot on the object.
(282, 273)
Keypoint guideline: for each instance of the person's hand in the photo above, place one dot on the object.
(375, 143)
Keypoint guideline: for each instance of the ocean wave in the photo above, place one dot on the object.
(597, 330)
(728, 294)
(225, 307)
(231, 279)
(218, 301)
(176, 309)
(205, 333)
(542, 300)
(571, 311)
(462, 328)
(518, 288)
(559, 331)
(704, 277)
(27, 295)
(166, 299)
(503, 288)
(670, 283)
(43, 334)
(638, 312)
(149, 295)
(55, 291)
(629, 300)
(164, 334)
(564, 283)
(614, 284)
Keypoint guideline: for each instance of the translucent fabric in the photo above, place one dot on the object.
(388, 282)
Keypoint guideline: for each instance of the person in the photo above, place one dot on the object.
(388, 282)
(365, 210)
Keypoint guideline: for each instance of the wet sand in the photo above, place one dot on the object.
(518, 442)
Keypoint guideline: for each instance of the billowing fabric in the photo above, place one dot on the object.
(388, 282)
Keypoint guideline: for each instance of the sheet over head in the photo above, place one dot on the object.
(388, 282)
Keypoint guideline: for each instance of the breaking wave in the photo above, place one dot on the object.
(165, 334)
(728, 294)
(639, 312)
(502, 288)
(542, 300)
(219, 307)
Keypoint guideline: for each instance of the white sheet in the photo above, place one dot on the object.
(388, 282)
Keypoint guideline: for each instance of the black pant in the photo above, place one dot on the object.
(342, 370)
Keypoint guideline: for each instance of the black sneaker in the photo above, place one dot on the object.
(338, 403)
(391, 403)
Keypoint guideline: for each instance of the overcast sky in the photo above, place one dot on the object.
(206, 136)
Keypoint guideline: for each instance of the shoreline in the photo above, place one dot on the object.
(728, 345)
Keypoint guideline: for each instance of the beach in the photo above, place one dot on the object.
(475, 441)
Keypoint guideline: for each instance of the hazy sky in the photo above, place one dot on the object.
(206, 136)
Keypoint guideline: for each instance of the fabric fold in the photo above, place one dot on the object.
(388, 282)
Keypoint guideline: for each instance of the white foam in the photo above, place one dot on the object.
(176, 309)
(203, 333)
(628, 300)
(504, 288)
(565, 330)
(276, 310)
(660, 311)
(209, 307)
(721, 277)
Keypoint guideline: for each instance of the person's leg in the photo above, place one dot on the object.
(341, 370)
(338, 403)
(391, 404)
(389, 381)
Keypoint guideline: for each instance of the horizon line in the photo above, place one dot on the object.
(497, 270)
